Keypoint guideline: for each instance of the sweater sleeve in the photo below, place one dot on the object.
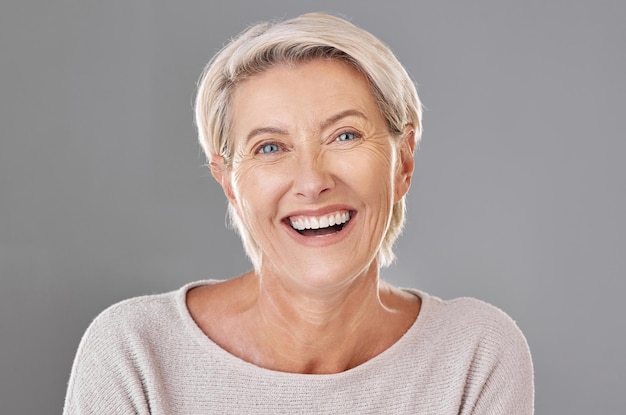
(507, 375)
(104, 379)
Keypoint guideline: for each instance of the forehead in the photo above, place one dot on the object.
(308, 91)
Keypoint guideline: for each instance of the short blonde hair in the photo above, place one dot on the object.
(304, 38)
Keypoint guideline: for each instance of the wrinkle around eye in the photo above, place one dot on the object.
(255, 155)
(345, 135)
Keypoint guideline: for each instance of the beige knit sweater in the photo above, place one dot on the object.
(147, 356)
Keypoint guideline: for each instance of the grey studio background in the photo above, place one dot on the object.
(518, 198)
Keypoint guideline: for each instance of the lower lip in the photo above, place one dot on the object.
(325, 240)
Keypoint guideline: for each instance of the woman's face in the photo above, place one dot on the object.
(315, 171)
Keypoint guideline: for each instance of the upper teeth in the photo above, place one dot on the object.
(317, 222)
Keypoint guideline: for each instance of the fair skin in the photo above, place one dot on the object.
(314, 176)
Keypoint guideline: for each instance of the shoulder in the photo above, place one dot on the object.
(137, 313)
(472, 320)
(140, 323)
(124, 332)
(489, 345)
(465, 306)
(143, 322)
(475, 332)
(122, 350)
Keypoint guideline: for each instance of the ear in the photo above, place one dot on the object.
(406, 162)
(221, 173)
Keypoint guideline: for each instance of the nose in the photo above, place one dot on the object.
(312, 177)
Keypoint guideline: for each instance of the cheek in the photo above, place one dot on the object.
(371, 170)
(257, 187)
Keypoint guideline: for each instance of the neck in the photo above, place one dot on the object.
(314, 330)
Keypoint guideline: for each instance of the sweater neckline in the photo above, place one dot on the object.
(395, 350)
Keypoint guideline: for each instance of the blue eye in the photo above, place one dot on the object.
(269, 148)
(347, 136)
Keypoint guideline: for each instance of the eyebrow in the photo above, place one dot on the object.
(347, 113)
(265, 130)
(326, 123)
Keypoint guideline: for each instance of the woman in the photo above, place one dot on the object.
(310, 126)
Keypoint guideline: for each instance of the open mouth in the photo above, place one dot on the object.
(320, 225)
